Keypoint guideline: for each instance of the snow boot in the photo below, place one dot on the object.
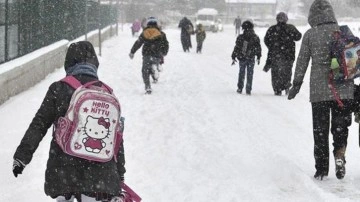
(340, 168)
(277, 93)
(320, 175)
(148, 91)
(340, 163)
(239, 91)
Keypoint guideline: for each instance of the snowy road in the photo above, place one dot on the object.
(194, 139)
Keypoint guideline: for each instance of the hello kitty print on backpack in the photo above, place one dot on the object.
(92, 127)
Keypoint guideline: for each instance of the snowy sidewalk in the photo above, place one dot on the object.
(194, 139)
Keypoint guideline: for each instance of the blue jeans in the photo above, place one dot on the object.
(248, 66)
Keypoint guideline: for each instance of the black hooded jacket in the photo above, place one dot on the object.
(154, 42)
(67, 174)
(247, 46)
(280, 40)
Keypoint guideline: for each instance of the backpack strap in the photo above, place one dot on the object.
(71, 81)
(74, 83)
(333, 90)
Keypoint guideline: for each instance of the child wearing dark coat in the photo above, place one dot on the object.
(200, 37)
(67, 177)
(246, 48)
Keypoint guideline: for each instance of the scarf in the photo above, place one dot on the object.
(82, 68)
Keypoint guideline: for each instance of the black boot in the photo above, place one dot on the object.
(320, 175)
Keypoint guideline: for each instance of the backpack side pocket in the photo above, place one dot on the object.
(62, 132)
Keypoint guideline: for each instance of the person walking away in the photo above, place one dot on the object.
(155, 47)
(237, 24)
(246, 48)
(68, 177)
(280, 40)
(200, 37)
(135, 27)
(187, 30)
(143, 23)
(326, 113)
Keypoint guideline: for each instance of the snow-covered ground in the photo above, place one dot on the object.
(194, 139)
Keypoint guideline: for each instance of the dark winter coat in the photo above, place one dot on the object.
(200, 34)
(247, 46)
(280, 40)
(64, 173)
(315, 46)
(187, 29)
(154, 42)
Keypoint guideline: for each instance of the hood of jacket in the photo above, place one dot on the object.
(79, 53)
(151, 33)
(321, 12)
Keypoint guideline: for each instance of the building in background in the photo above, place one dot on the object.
(251, 9)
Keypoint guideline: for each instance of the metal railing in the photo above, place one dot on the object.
(27, 25)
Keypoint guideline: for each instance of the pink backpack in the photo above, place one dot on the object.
(92, 126)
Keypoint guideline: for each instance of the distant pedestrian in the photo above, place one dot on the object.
(237, 24)
(280, 40)
(187, 29)
(200, 37)
(135, 27)
(155, 47)
(246, 48)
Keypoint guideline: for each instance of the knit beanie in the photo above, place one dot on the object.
(281, 17)
(247, 25)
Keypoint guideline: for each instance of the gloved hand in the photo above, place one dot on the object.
(122, 178)
(294, 90)
(18, 167)
(258, 61)
(131, 55)
(233, 62)
(357, 117)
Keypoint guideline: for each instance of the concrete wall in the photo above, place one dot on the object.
(22, 73)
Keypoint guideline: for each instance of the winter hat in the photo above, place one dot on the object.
(152, 21)
(281, 17)
(247, 25)
(80, 52)
(321, 12)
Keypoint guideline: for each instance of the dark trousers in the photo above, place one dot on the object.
(186, 41)
(237, 30)
(340, 121)
(199, 46)
(248, 66)
(281, 73)
(147, 70)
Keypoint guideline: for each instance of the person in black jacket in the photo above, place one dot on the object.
(237, 24)
(155, 47)
(246, 48)
(200, 37)
(280, 40)
(68, 177)
(187, 29)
